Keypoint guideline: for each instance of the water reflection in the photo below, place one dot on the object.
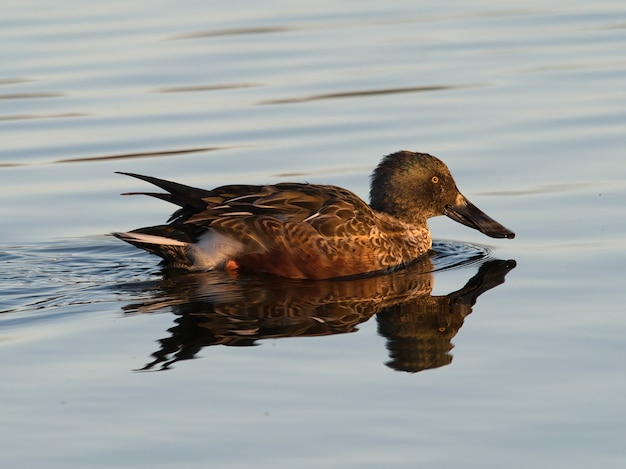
(233, 32)
(221, 308)
(148, 154)
(362, 93)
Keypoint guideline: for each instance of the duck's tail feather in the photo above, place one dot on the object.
(178, 194)
(166, 241)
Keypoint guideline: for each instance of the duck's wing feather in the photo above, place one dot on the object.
(330, 210)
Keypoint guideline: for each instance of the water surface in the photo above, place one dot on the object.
(525, 103)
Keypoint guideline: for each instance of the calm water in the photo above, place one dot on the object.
(509, 354)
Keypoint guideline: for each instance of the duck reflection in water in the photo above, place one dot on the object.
(226, 308)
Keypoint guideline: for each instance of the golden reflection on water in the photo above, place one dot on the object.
(221, 308)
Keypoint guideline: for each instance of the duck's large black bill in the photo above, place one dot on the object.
(468, 214)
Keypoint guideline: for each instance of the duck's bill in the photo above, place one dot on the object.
(466, 213)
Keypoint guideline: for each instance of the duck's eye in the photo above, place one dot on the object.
(434, 179)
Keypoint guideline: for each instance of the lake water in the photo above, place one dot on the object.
(107, 362)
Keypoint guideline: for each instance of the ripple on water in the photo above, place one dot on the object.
(68, 272)
(36, 277)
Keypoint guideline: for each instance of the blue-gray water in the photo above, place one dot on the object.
(525, 102)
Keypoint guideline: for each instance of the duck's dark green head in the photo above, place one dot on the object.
(416, 186)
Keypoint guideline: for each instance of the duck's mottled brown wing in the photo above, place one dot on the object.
(286, 217)
(330, 210)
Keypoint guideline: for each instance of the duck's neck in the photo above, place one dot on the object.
(391, 200)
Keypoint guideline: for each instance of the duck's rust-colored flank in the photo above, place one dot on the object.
(308, 230)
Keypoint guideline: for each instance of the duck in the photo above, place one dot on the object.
(310, 231)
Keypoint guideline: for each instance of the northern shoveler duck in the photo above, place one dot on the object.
(311, 231)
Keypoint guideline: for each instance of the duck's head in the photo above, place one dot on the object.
(416, 186)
